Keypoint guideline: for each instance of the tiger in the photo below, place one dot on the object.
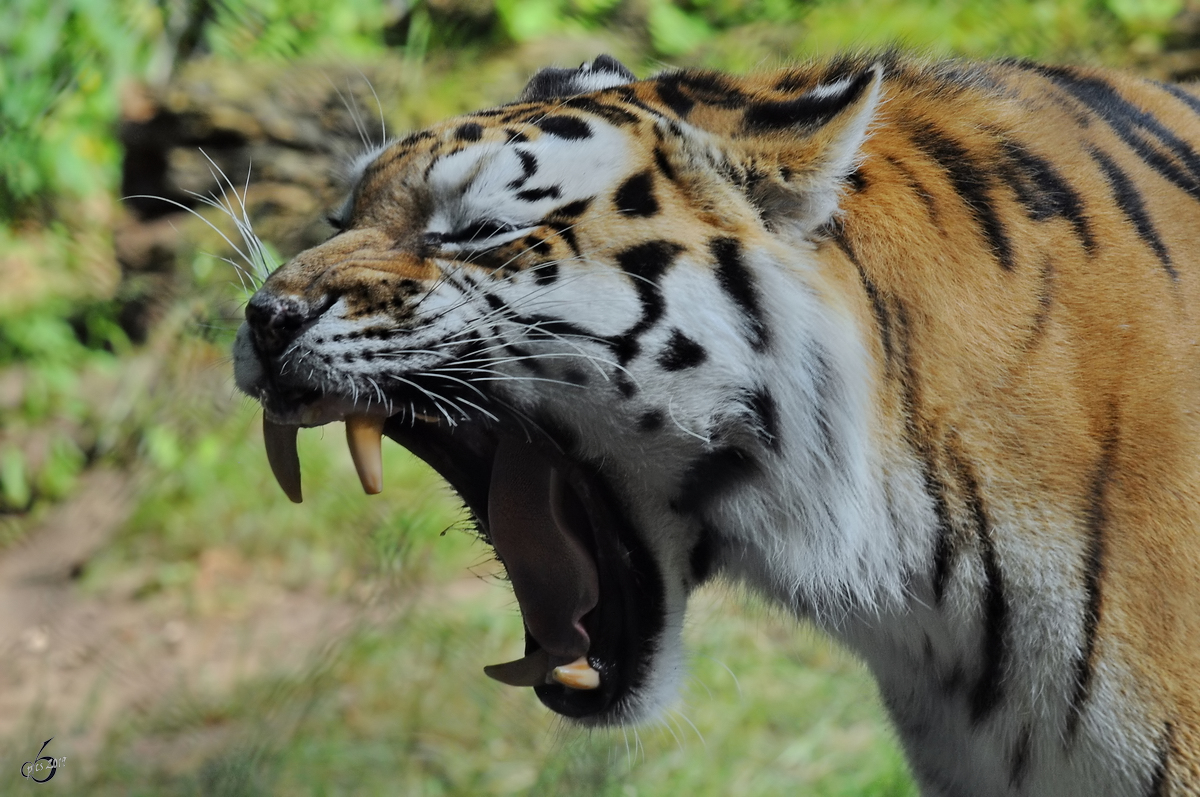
(906, 345)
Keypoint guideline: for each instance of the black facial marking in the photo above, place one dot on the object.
(651, 421)
(529, 166)
(1095, 522)
(1044, 192)
(537, 194)
(625, 387)
(575, 376)
(515, 136)
(711, 474)
(807, 110)
(568, 127)
(681, 352)
(573, 210)
(646, 263)
(1129, 200)
(766, 417)
(545, 273)
(1141, 131)
(635, 197)
(469, 132)
(972, 185)
(738, 282)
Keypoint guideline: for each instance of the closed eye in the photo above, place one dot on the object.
(477, 236)
(478, 232)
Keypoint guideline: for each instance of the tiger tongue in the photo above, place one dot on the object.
(536, 527)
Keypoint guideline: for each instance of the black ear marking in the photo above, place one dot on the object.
(813, 108)
(551, 83)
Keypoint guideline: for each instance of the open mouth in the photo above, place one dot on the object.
(590, 594)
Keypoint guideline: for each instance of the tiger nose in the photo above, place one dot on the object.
(276, 320)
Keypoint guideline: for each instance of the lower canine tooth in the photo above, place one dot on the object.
(577, 675)
(363, 435)
(281, 454)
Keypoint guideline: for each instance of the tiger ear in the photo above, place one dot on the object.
(792, 157)
(552, 83)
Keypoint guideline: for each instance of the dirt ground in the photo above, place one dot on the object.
(77, 660)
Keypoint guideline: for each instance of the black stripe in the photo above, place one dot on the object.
(635, 196)
(1140, 130)
(710, 475)
(1044, 193)
(822, 375)
(1188, 99)
(572, 210)
(681, 352)
(703, 553)
(664, 165)
(1095, 519)
(524, 358)
(988, 689)
(878, 308)
(919, 441)
(971, 182)
(568, 127)
(1129, 200)
(1046, 293)
(529, 166)
(646, 263)
(566, 231)
(766, 417)
(471, 131)
(618, 116)
(651, 421)
(1158, 778)
(1018, 763)
(738, 282)
(916, 187)
(538, 194)
(671, 96)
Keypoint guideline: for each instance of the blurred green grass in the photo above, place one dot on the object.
(398, 703)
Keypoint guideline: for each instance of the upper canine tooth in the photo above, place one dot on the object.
(363, 436)
(281, 454)
(577, 675)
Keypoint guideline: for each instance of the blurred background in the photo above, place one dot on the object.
(168, 618)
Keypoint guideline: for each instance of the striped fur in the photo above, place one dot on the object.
(909, 347)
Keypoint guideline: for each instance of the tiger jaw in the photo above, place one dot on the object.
(589, 591)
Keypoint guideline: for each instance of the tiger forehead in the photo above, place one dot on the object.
(571, 120)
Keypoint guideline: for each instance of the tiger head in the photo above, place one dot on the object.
(594, 312)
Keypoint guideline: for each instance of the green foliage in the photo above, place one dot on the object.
(60, 69)
(293, 28)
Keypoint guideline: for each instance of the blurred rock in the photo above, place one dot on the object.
(269, 140)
